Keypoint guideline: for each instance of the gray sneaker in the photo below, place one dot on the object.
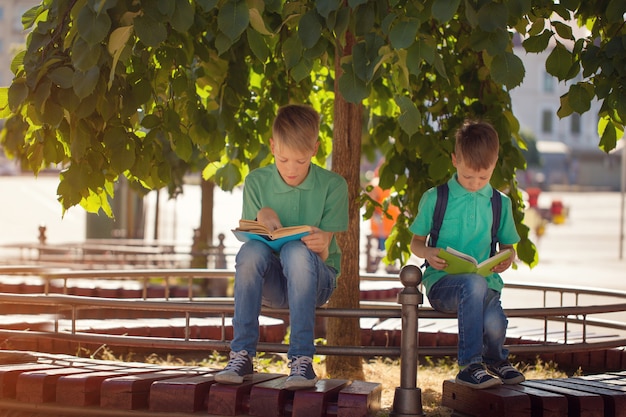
(302, 374)
(239, 367)
(475, 376)
(506, 372)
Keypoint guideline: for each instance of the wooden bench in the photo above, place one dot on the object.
(601, 395)
(60, 383)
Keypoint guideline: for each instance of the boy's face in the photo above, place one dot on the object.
(470, 179)
(293, 165)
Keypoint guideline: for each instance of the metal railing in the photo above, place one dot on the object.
(407, 399)
(568, 317)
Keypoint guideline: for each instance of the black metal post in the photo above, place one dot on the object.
(407, 399)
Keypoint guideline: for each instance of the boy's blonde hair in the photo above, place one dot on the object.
(477, 144)
(297, 127)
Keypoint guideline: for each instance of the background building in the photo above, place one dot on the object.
(12, 34)
(568, 147)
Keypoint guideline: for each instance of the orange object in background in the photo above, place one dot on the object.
(381, 225)
(533, 196)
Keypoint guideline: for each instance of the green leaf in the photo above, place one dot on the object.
(52, 114)
(608, 135)
(579, 98)
(18, 61)
(493, 16)
(207, 5)
(410, 118)
(183, 16)
(538, 43)
(326, 7)
(233, 18)
(439, 168)
(166, 7)
(351, 87)
(615, 11)
(61, 76)
(93, 27)
(493, 42)
(301, 70)
(563, 30)
(228, 176)
(149, 31)
(292, 51)
(117, 41)
(84, 57)
(257, 45)
(559, 62)
(30, 16)
(507, 69)
(519, 8)
(565, 109)
(182, 145)
(84, 83)
(257, 22)
(18, 91)
(309, 29)
(150, 121)
(5, 111)
(444, 10)
(403, 33)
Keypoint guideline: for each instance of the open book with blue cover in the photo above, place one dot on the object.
(462, 263)
(253, 230)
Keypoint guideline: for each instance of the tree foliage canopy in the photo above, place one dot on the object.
(150, 89)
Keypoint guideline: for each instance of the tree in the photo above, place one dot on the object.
(150, 89)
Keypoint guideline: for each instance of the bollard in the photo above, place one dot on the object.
(220, 259)
(407, 400)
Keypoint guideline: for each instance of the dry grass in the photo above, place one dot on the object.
(382, 370)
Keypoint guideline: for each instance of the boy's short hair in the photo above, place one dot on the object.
(297, 127)
(477, 144)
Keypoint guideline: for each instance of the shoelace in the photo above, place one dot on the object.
(504, 368)
(237, 360)
(479, 373)
(299, 365)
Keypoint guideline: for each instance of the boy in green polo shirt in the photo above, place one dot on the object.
(302, 276)
(466, 227)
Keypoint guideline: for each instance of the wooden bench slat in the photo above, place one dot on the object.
(579, 403)
(491, 402)
(231, 400)
(185, 394)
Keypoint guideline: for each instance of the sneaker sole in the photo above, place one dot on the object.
(514, 381)
(487, 384)
(301, 384)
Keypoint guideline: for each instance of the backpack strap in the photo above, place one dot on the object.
(439, 213)
(496, 207)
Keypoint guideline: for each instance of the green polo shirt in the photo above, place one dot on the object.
(466, 226)
(321, 201)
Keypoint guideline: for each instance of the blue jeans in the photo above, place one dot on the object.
(296, 278)
(481, 320)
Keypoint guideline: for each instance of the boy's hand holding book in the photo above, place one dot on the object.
(460, 263)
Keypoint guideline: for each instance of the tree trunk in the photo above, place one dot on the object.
(346, 160)
(203, 243)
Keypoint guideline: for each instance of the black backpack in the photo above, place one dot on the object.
(440, 210)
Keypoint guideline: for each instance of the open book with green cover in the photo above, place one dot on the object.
(462, 263)
(252, 229)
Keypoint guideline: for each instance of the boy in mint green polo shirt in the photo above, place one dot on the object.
(302, 276)
(466, 227)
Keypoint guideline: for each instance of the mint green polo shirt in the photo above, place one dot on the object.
(466, 226)
(321, 200)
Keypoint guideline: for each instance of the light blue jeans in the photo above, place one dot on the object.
(296, 278)
(481, 320)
